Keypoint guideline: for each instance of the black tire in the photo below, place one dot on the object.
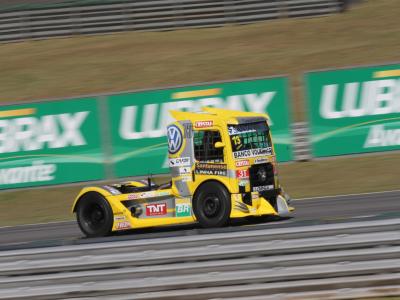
(212, 205)
(94, 215)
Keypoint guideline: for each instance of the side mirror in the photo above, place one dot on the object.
(218, 145)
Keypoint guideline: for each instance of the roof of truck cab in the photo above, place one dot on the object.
(216, 114)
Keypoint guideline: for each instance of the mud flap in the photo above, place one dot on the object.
(283, 209)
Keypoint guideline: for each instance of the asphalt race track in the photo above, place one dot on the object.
(309, 212)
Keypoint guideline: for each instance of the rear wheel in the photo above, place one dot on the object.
(94, 215)
(212, 205)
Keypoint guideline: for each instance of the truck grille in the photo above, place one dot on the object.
(261, 175)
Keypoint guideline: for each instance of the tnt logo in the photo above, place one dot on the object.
(158, 209)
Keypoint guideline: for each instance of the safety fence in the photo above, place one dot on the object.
(359, 259)
(94, 17)
(351, 111)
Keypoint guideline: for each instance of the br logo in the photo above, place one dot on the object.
(175, 139)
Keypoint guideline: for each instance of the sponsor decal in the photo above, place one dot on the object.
(244, 128)
(112, 190)
(175, 139)
(252, 152)
(261, 160)
(183, 210)
(356, 108)
(244, 182)
(179, 162)
(148, 194)
(137, 122)
(357, 99)
(186, 177)
(36, 133)
(163, 193)
(157, 209)
(242, 174)
(184, 170)
(37, 172)
(203, 124)
(263, 188)
(378, 136)
(184, 200)
(142, 195)
(211, 169)
(133, 196)
(122, 225)
(119, 218)
(242, 163)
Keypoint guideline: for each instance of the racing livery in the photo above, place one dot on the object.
(222, 165)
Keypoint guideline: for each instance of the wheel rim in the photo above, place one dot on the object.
(93, 215)
(211, 206)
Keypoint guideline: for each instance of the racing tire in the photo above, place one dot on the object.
(212, 205)
(94, 215)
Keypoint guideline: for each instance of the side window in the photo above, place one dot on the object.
(204, 150)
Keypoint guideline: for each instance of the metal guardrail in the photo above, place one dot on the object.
(152, 15)
(310, 261)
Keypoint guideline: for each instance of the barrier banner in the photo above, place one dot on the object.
(50, 143)
(354, 110)
(138, 120)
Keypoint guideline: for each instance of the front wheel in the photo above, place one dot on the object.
(94, 215)
(212, 205)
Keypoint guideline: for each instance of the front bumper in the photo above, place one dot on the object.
(259, 206)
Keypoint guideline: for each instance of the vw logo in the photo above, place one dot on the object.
(175, 139)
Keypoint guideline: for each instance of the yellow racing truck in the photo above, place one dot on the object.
(222, 165)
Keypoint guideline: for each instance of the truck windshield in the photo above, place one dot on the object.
(248, 137)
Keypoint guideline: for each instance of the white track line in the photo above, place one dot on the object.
(37, 224)
(347, 195)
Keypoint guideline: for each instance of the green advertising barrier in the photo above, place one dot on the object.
(50, 143)
(138, 120)
(354, 110)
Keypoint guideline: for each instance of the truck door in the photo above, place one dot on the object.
(209, 160)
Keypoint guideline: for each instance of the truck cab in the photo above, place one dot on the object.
(221, 151)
